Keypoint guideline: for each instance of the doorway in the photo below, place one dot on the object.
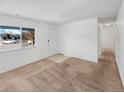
(107, 38)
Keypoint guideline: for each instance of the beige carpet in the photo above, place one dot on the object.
(59, 58)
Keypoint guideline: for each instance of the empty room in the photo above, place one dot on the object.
(61, 45)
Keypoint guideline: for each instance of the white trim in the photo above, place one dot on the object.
(16, 49)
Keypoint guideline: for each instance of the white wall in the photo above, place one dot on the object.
(79, 39)
(12, 59)
(99, 40)
(120, 53)
(108, 36)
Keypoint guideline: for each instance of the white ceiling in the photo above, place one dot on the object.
(60, 11)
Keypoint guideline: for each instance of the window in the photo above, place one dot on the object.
(16, 37)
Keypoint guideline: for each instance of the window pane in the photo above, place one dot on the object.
(9, 37)
(28, 37)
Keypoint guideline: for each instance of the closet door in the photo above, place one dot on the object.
(52, 42)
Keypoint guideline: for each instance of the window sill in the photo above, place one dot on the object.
(16, 49)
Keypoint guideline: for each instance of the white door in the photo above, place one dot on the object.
(108, 36)
(52, 42)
